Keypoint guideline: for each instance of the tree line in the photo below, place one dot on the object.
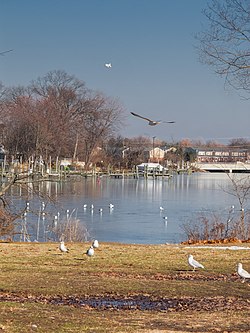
(57, 116)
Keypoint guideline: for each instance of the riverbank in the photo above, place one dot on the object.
(122, 288)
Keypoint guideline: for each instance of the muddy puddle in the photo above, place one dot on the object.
(138, 303)
(143, 303)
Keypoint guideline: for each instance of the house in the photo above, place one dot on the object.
(157, 154)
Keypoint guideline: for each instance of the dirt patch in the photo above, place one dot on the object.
(179, 276)
(137, 302)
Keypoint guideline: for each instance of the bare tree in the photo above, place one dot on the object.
(17, 110)
(225, 43)
(99, 119)
(57, 116)
(61, 102)
(138, 151)
(240, 188)
(115, 150)
(7, 216)
(239, 142)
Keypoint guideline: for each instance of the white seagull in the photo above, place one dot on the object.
(193, 263)
(63, 248)
(161, 208)
(90, 252)
(95, 244)
(108, 65)
(242, 273)
(150, 121)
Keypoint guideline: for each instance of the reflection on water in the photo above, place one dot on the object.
(136, 216)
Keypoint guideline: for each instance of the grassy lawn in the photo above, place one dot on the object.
(45, 291)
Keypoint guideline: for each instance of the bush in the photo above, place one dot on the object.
(70, 230)
(7, 223)
(215, 227)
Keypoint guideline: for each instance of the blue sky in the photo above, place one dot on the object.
(155, 67)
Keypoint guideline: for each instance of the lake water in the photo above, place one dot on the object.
(136, 216)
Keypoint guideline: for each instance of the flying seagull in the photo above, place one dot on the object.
(108, 65)
(150, 121)
(242, 273)
(194, 263)
(4, 52)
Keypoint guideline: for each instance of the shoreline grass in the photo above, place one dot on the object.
(39, 270)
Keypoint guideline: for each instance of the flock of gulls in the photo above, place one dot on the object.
(241, 272)
(191, 261)
(95, 244)
(100, 210)
(90, 251)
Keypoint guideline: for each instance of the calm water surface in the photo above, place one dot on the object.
(136, 217)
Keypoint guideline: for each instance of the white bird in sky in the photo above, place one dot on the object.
(63, 248)
(108, 65)
(193, 263)
(150, 121)
(242, 273)
(90, 252)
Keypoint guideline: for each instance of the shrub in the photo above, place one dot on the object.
(70, 230)
(215, 227)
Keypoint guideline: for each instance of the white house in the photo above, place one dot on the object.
(150, 167)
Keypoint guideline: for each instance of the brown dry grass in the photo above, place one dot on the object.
(33, 274)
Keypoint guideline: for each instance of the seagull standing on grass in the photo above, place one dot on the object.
(242, 273)
(95, 244)
(63, 248)
(90, 252)
(150, 121)
(193, 263)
